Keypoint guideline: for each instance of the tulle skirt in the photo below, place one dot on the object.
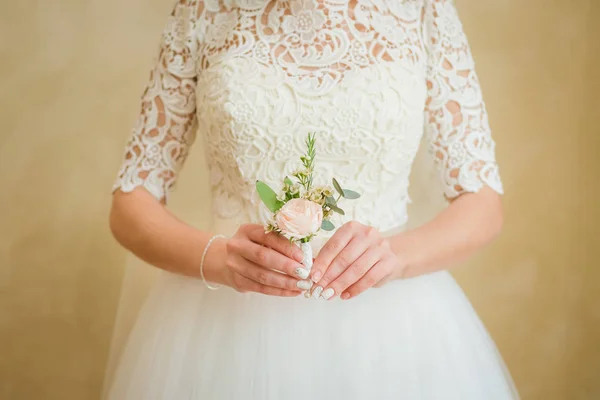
(413, 339)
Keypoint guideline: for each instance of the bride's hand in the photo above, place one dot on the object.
(354, 259)
(261, 262)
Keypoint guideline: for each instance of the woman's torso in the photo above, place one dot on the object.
(269, 72)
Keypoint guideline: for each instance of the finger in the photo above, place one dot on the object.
(349, 254)
(378, 272)
(276, 242)
(352, 274)
(248, 285)
(265, 276)
(265, 256)
(334, 245)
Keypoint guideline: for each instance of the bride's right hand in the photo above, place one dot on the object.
(255, 261)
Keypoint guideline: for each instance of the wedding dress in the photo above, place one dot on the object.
(371, 78)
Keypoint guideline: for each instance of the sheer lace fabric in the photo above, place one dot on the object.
(252, 77)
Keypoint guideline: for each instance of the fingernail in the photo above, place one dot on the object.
(345, 295)
(298, 256)
(317, 292)
(305, 285)
(316, 276)
(302, 273)
(327, 293)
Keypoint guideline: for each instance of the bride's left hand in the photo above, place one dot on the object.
(355, 258)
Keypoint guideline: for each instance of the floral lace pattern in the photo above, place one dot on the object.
(456, 118)
(369, 76)
(166, 125)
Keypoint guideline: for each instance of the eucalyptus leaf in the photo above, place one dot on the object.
(330, 201)
(326, 225)
(268, 196)
(337, 209)
(350, 194)
(337, 186)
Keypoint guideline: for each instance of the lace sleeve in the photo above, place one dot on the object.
(166, 125)
(456, 120)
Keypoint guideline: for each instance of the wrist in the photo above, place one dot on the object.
(214, 261)
(400, 267)
(401, 257)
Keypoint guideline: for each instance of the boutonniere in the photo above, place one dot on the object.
(300, 209)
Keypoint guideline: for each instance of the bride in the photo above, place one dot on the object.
(385, 319)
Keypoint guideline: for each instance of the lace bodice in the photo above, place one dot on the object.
(370, 77)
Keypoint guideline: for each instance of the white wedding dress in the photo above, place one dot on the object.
(371, 78)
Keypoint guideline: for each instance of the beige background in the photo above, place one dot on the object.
(71, 73)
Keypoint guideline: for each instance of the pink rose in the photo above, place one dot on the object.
(299, 218)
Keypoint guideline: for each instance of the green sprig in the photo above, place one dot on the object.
(308, 161)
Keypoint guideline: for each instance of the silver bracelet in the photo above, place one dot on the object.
(208, 285)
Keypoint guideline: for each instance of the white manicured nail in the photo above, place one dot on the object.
(327, 293)
(305, 285)
(317, 292)
(302, 273)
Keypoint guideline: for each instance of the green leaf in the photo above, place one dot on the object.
(326, 225)
(288, 181)
(350, 194)
(268, 196)
(330, 201)
(337, 209)
(337, 186)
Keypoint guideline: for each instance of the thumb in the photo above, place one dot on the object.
(316, 272)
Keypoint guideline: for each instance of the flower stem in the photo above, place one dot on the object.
(309, 160)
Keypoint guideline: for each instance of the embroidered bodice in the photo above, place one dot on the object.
(370, 77)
